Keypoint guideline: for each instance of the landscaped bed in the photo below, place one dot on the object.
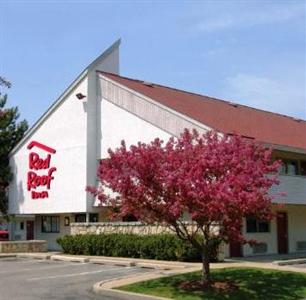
(251, 283)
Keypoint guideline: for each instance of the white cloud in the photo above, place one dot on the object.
(240, 17)
(213, 52)
(282, 96)
(214, 24)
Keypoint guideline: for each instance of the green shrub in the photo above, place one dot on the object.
(159, 246)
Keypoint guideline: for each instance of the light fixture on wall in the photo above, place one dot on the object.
(80, 96)
(67, 221)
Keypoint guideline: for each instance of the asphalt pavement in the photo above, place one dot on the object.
(31, 279)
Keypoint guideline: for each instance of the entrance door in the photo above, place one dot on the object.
(30, 230)
(282, 232)
(235, 249)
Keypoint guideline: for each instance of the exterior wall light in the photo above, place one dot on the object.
(67, 221)
(80, 96)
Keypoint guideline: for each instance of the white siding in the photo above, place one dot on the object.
(294, 186)
(296, 231)
(16, 232)
(51, 237)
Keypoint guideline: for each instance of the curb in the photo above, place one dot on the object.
(290, 262)
(119, 263)
(158, 266)
(69, 258)
(122, 295)
(43, 256)
(4, 255)
(108, 287)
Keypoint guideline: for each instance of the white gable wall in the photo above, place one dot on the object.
(65, 131)
(70, 127)
(110, 63)
(118, 124)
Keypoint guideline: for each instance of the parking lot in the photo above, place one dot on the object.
(45, 279)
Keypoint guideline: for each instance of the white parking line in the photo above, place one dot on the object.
(73, 275)
(40, 269)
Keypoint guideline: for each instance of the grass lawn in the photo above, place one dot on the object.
(259, 284)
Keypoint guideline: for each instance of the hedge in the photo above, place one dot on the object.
(157, 246)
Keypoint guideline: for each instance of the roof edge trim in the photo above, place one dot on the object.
(49, 111)
(107, 52)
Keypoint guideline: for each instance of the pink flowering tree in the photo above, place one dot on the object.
(215, 180)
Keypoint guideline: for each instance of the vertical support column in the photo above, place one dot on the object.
(109, 62)
(11, 230)
(91, 155)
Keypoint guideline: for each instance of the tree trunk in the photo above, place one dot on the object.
(205, 267)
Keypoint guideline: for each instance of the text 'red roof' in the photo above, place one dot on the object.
(224, 116)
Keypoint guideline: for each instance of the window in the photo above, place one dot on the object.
(253, 225)
(93, 218)
(263, 226)
(283, 168)
(292, 167)
(289, 167)
(80, 218)
(21, 225)
(129, 218)
(50, 224)
(303, 167)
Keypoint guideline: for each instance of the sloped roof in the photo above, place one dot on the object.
(224, 116)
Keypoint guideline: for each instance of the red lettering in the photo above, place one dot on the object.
(38, 195)
(35, 180)
(50, 177)
(37, 163)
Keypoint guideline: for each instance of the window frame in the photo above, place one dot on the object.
(44, 229)
(81, 216)
(257, 225)
(302, 170)
(129, 218)
(93, 217)
(285, 163)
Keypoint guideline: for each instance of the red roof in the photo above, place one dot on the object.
(224, 116)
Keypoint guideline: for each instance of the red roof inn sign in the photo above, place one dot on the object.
(37, 163)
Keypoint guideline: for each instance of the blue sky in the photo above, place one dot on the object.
(249, 52)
